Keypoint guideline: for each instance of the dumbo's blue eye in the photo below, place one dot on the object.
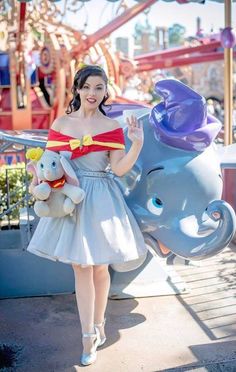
(54, 164)
(41, 165)
(155, 206)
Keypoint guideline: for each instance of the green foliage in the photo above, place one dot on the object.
(14, 178)
(145, 31)
(176, 34)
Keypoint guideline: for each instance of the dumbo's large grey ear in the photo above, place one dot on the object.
(31, 168)
(70, 175)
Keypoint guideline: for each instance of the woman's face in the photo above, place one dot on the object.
(92, 92)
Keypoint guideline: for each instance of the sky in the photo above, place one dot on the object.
(161, 14)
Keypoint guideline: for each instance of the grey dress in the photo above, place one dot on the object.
(102, 230)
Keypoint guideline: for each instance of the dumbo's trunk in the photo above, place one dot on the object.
(184, 239)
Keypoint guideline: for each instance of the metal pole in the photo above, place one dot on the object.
(228, 81)
(27, 200)
(8, 197)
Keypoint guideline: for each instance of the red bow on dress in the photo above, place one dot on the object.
(111, 140)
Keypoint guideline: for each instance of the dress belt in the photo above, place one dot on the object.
(100, 174)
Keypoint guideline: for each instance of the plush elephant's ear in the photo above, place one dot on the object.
(31, 168)
(70, 175)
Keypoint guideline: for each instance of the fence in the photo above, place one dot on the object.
(16, 202)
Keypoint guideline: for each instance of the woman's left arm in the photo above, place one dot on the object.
(121, 162)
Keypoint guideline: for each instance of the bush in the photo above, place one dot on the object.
(16, 176)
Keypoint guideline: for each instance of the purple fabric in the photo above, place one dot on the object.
(181, 119)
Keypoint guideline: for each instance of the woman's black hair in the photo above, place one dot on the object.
(79, 81)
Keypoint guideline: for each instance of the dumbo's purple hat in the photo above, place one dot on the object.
(181, 120)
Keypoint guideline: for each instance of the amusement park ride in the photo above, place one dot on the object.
(38, 59)
(39, 56)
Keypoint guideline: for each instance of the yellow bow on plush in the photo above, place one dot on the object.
(34, 153)
(85, 141)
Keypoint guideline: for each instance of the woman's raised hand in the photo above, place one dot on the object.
(135, 130)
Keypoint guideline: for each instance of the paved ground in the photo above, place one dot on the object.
(194, 331)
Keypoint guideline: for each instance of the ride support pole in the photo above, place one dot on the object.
(228, 80)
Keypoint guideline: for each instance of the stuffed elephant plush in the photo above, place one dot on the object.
(55, 185)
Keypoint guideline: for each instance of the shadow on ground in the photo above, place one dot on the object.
(36, 332)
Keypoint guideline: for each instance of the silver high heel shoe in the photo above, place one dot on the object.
(89, 358)
(102, 339)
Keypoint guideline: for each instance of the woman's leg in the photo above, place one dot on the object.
(85, 297)
(101, 278)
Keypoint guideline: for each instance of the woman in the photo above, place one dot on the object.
(103, 230)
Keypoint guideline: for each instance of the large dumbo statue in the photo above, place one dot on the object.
(175, 187)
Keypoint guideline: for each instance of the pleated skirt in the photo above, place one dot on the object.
(102, 229)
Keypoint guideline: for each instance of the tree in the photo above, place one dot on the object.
(176, 34)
